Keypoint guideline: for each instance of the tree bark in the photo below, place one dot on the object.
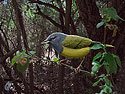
(90, 17)
(89, 14)
(60, 79)
(19, 22)
(68, 14)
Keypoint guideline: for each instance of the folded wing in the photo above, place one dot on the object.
(76, 42)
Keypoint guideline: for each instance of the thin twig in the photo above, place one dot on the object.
(72, 68)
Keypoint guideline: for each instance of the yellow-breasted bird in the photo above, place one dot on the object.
(70, 46)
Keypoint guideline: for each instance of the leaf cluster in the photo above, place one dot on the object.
(110, 62)
(108, 14)
(22, 59)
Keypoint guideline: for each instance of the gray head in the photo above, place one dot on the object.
(55, 40)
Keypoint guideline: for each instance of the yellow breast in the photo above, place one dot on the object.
(75, 53)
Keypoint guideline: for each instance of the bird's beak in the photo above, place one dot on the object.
(45, 42)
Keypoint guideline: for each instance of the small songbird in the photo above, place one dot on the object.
(70, 46)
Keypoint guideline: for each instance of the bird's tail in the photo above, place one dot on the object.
(107, 45)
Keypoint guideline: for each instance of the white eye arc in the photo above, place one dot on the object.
(53, 37)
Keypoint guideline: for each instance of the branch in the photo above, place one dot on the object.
(5, 44)
(72, 68)
(57, 9)
(9, 54)
(68, 13)
(20, 24)
(48, 18)
(49, 5)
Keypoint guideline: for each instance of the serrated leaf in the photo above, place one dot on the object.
(112, 64)
(99, 24)
(97, 56)
(97, 46)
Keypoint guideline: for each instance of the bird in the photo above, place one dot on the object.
(70, 46)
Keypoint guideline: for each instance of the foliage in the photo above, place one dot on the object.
(56, 59)
(22, 60)
(108, 14)
(37, 28)
(110, 62)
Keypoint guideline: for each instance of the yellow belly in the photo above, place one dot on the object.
(75, 53)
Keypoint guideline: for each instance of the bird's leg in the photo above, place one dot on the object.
(78, 68)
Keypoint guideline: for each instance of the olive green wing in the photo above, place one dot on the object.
(76, 42)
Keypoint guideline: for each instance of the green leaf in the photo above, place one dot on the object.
(18, 56)
(97, 82)
(108, 82)
(117, 60)
(107, 69)
(32, 52)
(99, 24)
(111, 12)
(106, 65)
(108, 19)
(56, 60)
(112, 64)
(21, 68)
(107, 90)
(92, 73)
(13, 60)
(102, 87)
(97, 56)
(30, 13)
(102, 75)
(102, 92)
(97, 46)
(118, 17)
(22, 53)
(104, 10)
(94, 62)
(95, 68)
